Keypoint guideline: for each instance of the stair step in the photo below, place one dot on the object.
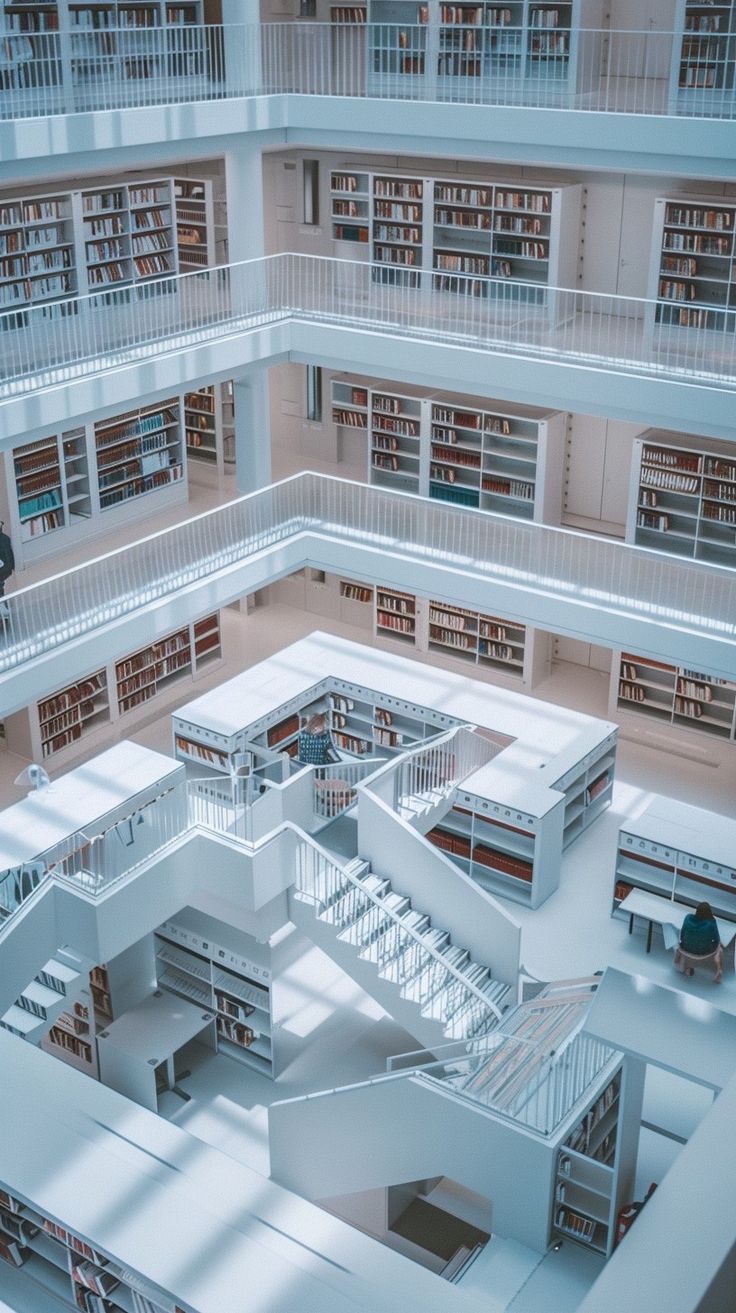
(389, 947)
(19, 1021)
(39, 999)
(414, 958)
(376, 918)
(58, 975)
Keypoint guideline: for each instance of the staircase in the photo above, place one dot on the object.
(518, 1072)
(48, 995)
(428, 984)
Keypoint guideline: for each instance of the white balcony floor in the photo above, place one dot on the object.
(339, 294)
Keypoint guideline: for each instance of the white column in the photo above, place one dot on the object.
(244, 191)
(242, 45)
(252, 430)
(246, 241)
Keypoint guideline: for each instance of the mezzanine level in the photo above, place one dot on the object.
(165, 333)
(556, 579)
(296, 71)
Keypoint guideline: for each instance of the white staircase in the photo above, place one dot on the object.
(429, 985)
(49, 994)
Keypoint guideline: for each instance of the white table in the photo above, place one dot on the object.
(668, 914)
(132, 1047)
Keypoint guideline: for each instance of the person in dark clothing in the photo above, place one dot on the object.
(7, 559)
(315, 742)
(699, 937)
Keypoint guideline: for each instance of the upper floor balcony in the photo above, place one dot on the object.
(441, 72)
(481, 331)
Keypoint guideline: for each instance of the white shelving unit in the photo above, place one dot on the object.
(510, 836)
(228, 972)
(512, 852)
(55, 726)
(703, 74)
(194, 211)
(506, 459)
(66, 487)
(680, 852)
(672, 695)
(456, 48)
(683, 497)
(439, 233)
(588, 1178)
(691, 272)
(209, 426)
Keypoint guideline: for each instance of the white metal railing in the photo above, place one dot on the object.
(436, 769)
(320, 880)
(55, 342)
(334, 786)
(603, 70)
(627, 581)
(212, 804)
(562, 1082)
(515, 1078)
(92, 862)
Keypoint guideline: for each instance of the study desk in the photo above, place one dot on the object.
(669, 914)
(133, 1048)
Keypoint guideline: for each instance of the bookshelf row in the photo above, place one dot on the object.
(432, 229)
(681, 852)
(50, 15)
(674, 695)
(683, 497)
(692, 271)
(584, 1206)
(518, 853)
(519, 41)
(66, 1266)
(237, 989)
(457, 449)
(60, 487)
(59, 244)
(59, 722)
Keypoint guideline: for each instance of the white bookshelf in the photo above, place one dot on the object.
(703, 75)
(78, 712)
(63, 488)
(683, 497)
(482, 639)
(678, 851)
(664, 694)
(440, 233)
(228, 972)
(195, 223)
(691, 272)
(465, 450)
(209, 427)
(457, 48)
(507, 839)
(138, 453)
(107, 235)
(586, 1184)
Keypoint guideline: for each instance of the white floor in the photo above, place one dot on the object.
(335, 1034)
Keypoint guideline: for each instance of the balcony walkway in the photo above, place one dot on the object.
(599, 590)
(46, 346)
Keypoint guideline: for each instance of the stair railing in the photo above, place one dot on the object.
(442, 764)
(333, 786)
(320, 879)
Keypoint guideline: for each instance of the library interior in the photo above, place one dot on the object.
(367, 725)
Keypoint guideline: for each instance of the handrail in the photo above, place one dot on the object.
(627, 580)
(357, 884)
(56, 342)
(632, 71)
